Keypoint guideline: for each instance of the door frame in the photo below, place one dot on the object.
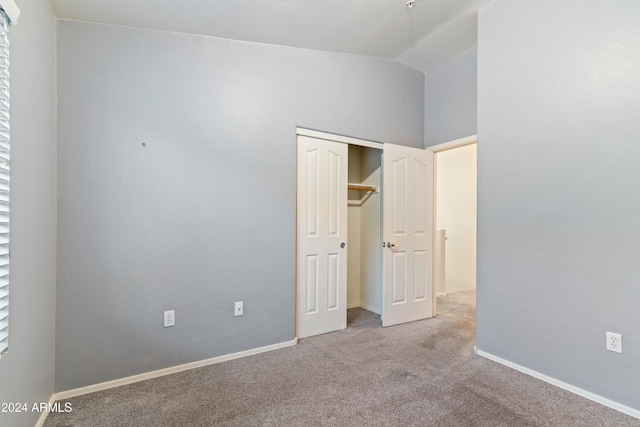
(467, 140)
(338, 138)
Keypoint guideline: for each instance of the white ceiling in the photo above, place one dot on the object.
(422, 37)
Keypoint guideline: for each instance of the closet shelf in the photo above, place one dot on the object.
(360, 187)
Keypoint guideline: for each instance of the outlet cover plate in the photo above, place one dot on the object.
(169, 318)
(614, 342)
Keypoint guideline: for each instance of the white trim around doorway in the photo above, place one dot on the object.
(467, 140)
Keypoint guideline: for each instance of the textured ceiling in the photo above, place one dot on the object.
(422, 37)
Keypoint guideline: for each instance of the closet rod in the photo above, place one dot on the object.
(359, 187)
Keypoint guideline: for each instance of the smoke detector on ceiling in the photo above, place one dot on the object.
(410, 3)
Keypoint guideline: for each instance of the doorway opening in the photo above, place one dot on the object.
(456, 219)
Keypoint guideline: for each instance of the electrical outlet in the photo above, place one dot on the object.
(169, 318)
(614, 342)
(239, 309)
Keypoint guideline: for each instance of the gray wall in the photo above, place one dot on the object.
(26, 371)
(204, 214)
(451, 94)
(558, 193)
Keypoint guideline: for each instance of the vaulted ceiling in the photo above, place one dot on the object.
(421, 37)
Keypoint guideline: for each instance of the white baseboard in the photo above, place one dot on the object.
(44, 414)
(365, 306)
(573, 389)
(368, 307)
(167, 371)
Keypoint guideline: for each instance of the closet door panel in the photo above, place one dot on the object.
(407, 229)
(322, 228)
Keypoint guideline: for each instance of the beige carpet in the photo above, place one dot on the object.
(419, 374)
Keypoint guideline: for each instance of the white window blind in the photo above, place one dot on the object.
(4, 182)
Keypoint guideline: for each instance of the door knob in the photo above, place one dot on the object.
(391, 245)
(342, 245)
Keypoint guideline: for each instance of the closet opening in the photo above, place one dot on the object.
(364, 239)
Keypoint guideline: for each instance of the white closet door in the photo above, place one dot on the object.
(322, 237)
(407, 230)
